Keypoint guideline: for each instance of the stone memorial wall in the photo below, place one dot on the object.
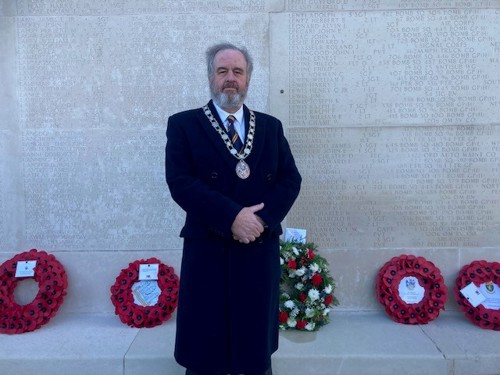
(392, 109)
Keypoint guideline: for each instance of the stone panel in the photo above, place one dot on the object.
(98, 190)
(132, 71)
(7, 73)
(7, 8)
(399, 187)
(10, 173)
(11, 208)
(91, 187)
(391, 68)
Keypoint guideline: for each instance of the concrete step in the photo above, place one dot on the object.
(353, 343)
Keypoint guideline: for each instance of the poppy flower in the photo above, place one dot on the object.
(310, 254)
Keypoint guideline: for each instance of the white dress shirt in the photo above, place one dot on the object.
(239, 124)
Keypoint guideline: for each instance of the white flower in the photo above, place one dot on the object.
(291, 322)
(326, 311)
(300, 272)
(309, 312)
(313, 294)
(294, 312)
(310, 326)
(291, 274)
(295, 251)
(282, 261)
(328, 289)
(299, 286)
(314, 267)
(289, 304)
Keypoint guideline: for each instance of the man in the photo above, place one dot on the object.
(235, 196)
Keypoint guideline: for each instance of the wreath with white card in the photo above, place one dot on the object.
(145, 293)
(477, 290)
(411, 289)
(52, 281)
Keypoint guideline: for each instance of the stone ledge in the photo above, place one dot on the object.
(353, 343)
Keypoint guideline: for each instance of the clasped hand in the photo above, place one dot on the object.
(247, 225)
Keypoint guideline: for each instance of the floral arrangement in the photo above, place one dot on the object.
(52, 283)
(307, 289)
(139, 316)
(479, 272)
(409, 267)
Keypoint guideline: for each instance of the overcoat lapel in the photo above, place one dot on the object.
(212, 134)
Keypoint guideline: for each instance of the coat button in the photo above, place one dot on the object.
(269, 177)
(214, 175)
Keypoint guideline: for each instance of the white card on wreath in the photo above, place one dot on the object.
(25, 268)
(491, 293)
(146, 293)
(410, 290)
(148, 271)
(295, 235)
(473, 294)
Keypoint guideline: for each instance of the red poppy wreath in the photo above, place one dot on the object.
(411, 289)
(485, 277)
(52, 283)
(145, 303)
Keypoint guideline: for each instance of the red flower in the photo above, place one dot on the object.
(310, 254)
(317, 280)
(301, 324)
(328, 299)
(283, 317)
(302, 297)
(292, 264)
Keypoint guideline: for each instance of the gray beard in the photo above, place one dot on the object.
(223, 100)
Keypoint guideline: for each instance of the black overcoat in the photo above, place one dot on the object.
(227, 317)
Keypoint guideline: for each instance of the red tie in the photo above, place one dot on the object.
(233, 134)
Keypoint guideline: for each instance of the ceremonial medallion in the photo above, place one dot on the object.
(242, 170)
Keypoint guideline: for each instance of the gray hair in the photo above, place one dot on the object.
(213, 50)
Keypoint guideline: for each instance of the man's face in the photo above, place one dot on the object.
(229, 85)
